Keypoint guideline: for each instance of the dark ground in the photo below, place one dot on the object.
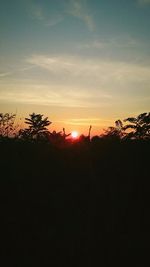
(80, 205)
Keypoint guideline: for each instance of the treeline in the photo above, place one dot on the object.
(74, 203)
(136, 128)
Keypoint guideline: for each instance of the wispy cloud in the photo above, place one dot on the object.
(94, 82)
(67, 81)
(74, 82)
(46, 95)
(54, 20)
(75, 8)
(37, 12)
(94, 44)
(87, 121)
(5, 74)
(144, 2)
(78, 9)
(104, 72)
(10, 73)
(48, 19)
(116, 42)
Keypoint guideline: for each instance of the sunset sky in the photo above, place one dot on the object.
(79, 62)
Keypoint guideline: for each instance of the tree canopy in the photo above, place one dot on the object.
(139, 126)
(37, 126)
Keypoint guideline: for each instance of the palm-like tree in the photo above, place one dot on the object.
(37, 126)
(140, 126)
(115, 133)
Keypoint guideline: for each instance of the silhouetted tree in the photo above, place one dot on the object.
(85, 139)
(37, 127)
(89, 134)
(115, 133)
(119, 125)
(7, 128)
(140, 126)
(64, 133)
(111, 133)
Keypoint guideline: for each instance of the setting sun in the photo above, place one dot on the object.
(74, 134)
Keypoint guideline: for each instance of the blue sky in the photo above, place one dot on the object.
(80, 62)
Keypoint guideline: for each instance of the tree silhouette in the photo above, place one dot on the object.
(37, 127)
(119, 125)
(89, 134)
(115, 133)
(140, 126)
(64, 134)
(7, 124)
(55, 137)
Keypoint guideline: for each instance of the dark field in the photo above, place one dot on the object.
(83, 204)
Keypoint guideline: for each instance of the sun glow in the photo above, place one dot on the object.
(74, 134)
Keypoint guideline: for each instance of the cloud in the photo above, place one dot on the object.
(54, 20)
(37, 12)
(144, 2)
(115, 42)
(10, 73)
(87, 121)
(97, 83)
(51, 19)
(69, 81)
(5, 74)
(75, 8)
(78, 9)
(92, 45)
(91, 72)
(45, 95)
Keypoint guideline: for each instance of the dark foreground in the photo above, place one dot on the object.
(81, 205)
